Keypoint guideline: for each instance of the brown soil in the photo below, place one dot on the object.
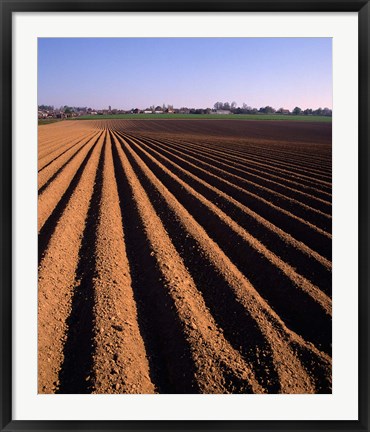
(184, 257)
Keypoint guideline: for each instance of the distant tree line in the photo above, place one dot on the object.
(218, 107)
(246, 109)
(46, 107)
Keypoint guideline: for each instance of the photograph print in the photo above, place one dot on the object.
(184, 215)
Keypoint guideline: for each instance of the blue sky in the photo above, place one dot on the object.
(193, 72)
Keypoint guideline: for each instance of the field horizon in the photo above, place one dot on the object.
(251, 117)
(236, 117)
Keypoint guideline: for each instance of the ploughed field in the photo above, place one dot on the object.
(184, 256)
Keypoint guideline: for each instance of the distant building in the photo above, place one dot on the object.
(42, 114)
(221, 111)
(283, 111)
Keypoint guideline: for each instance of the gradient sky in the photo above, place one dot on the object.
(193, 72)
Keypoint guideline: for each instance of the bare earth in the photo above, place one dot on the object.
(184, 256)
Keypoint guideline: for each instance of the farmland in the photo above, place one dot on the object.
(184, 257)
(251, 117)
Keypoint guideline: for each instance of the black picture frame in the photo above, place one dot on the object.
(7, 8)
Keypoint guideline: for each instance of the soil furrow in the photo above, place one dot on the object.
(184, 256)
(226, 155)
(120, 364)
(49, 198)
(266, 157)
(300, 158)
(249, 159)
(309, 263)
(322, 220)
(304, 231)
(284, 343)
(47, 175)
(307, 198)
(58, 150)
(292, 296)
(57, 279)
(206, 351)
(281, 180)
(50, 224)
(252, 165)
(77, 374)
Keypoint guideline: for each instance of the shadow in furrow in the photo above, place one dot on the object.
(171, 366)
(262, 171)
(76, 375)
(296, 308)
(317, 368)
(306, 265)
(229, 167)
(48, 228)
(61, 154)
(286, 222)
(42, 188)
(239, 328)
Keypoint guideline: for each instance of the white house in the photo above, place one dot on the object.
(221, 111)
